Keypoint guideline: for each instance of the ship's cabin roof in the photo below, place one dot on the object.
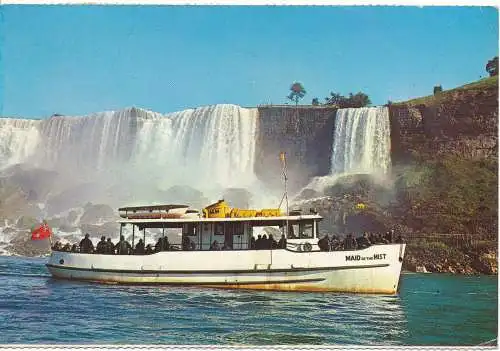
(253, 221)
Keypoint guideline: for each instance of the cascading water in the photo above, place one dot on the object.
(361, 145)
(18, 140)
(361, 142)
(203, 147)
(206, 148)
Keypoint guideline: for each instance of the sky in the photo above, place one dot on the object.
(76, 60)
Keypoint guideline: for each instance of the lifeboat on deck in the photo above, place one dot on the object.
(154, 212)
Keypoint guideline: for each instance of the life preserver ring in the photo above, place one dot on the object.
(307, 247)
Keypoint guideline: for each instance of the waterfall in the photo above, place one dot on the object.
(18, 140)
(206, 148)
(361, 141)
(361, 145)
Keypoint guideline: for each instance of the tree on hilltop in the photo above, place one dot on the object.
(492, 66)
(359, 100)
(297, 92)
(335, 99)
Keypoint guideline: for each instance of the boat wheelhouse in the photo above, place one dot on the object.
(298, 265)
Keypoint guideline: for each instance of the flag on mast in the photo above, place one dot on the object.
(41, 232)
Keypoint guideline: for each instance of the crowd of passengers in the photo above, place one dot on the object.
(106, 246)
(123, 247)
(350, 242)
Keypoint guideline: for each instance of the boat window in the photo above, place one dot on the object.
(306, 230)
(219, 229)
(235, 228)
(302, 230)
(293, 231)
(190, 229)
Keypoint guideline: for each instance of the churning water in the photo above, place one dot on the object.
(430, 310)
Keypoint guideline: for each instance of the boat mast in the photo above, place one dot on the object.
(285, 195)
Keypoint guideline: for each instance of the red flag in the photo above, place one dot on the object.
(41, 232)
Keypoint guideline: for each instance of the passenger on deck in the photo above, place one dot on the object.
(149, 249)
(123, 247)
(165, 246)
(349, 242)
(215, 246)
(74, 248)
(282, 242)
(372, 238)
(101, 246)
(110, 247)
(258, 242)
(399, 239)
(139, 248)
(264, 243)
(252, 243)
(272, 244)
(324, 244)
(57, 246)
(388, 237)
(86, 245)
(159, 245)
(67, 247)
(381, 239)
(335, 244)
(363, 242)
(186, 243)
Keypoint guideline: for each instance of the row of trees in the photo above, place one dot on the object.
(360, 99)
(297, 92)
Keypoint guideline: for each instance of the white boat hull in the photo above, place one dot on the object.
(372, 270)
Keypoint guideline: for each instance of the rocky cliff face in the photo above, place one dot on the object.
(463, 122)
(305, 134)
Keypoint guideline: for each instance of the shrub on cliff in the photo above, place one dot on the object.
(438, 89)
(492, 67)
(450, 195)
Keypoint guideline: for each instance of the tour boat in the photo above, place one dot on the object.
(298, 266)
